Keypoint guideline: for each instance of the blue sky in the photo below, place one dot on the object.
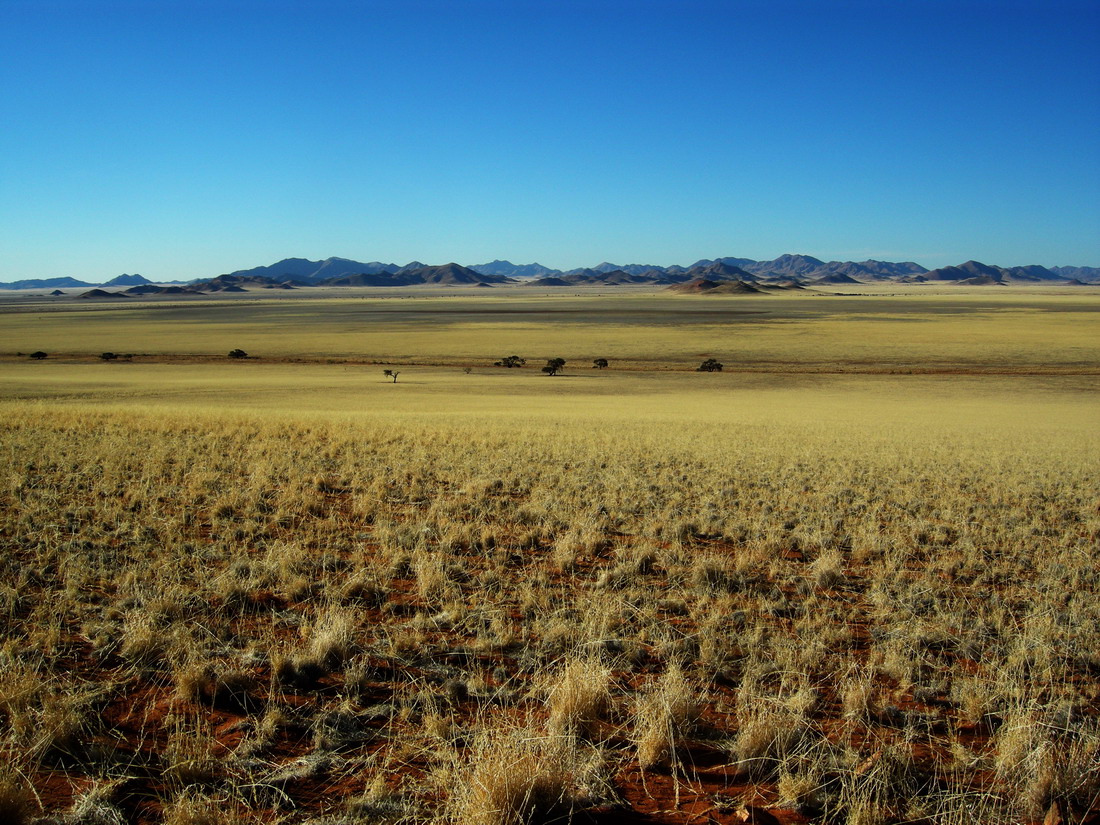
(185, 139)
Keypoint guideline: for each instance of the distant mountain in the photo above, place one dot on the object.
(886, 269)
(511, 270)
(1085, 274)
(595, 277)
(372, 279)
(335, 267)
(777, 285)
(127, 280)
(809, 268)
(102, 293)
(309, 272)
(790, 266)
(738, 262)
(719, 271)
(975, 273)
(703, 286)
(45, 283)
(629, 269)
(835, 278)
(223, 282)
(1031, 273)
(551, 280)
(291, 272)
(452, 274)
(154, 289)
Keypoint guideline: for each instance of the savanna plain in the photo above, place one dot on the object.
(853, 577)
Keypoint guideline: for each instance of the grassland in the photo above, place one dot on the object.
(917, 329)
(852, 578)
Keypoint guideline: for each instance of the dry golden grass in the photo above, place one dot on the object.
(271, 592)
(906, 328)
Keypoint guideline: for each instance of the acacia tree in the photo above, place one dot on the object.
(38, 356)
(391, 374)
(710, 365)
(510, 361)
(238, 353)
(599, 363)
(554, 366)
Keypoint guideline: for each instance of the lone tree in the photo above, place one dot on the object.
(391, 374)
(554, 366)
(238, 353)
(510, 361)
(599, 363)
(38, 356)
(108, 356)
(710, 365)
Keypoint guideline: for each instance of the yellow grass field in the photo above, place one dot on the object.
(854, 577)
(1005, 329)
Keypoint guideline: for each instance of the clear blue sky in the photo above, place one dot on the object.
(185, 139)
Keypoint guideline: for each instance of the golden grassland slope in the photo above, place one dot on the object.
(381, 617)
(268, 591)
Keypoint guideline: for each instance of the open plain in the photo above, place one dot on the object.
(852, 577)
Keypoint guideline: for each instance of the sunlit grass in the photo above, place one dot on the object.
(1006, 329)
(493, 595)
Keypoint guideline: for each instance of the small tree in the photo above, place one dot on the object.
(238, 353)
(599, 363)
(710, 365)
(391, 374)
(108, 356)
(38, 356)
(510, 361)
(554, 366)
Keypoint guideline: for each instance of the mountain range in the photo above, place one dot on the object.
(800, 269)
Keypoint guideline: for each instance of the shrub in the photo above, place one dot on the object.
(521, 778)
(580, 699)
(664, 717)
